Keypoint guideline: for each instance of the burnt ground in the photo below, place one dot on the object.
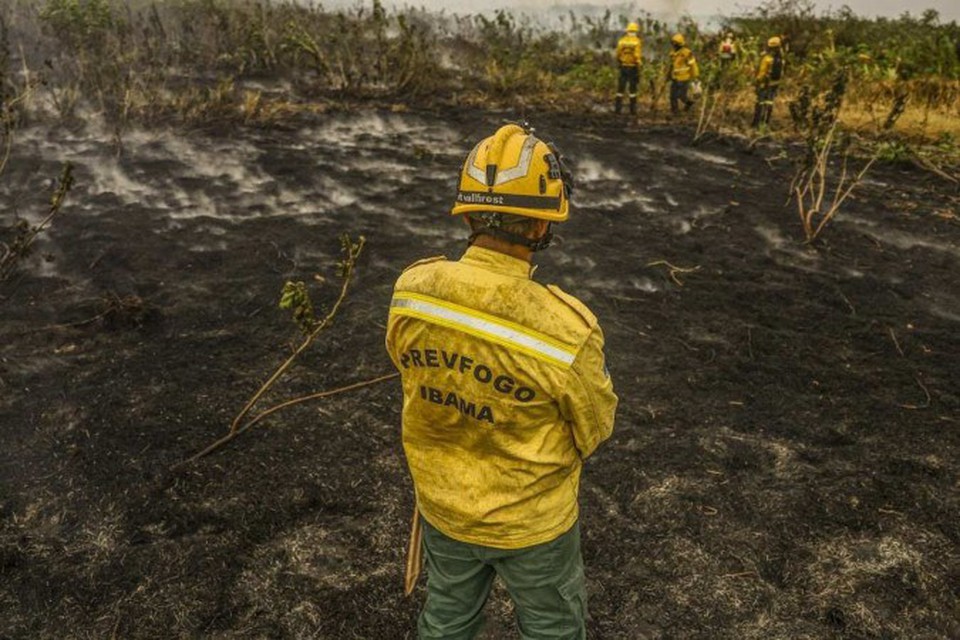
(785, 461)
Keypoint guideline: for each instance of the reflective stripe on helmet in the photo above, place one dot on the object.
(484, 326)
(504, 175)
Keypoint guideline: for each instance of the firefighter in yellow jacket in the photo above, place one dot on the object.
(629, 57)
(767, 80)
(683, 70)
(727, 50)
(505, 394)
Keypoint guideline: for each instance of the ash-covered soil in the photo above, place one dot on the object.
(785, 462)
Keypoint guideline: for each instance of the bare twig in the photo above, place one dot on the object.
(67, 325)
(708, 106)
(923, 163)
(853, 309)
(314, 396)
(840, 197)
(926, 403)
(674, 270)
(111, 304)
(896, 343)
(742, 574)
(7, 145)
(7, 120)
(811, 189)
(23, 243)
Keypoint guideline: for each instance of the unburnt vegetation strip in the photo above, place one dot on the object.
(203, 61)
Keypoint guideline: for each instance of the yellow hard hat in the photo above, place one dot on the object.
(678, 39)
(774, 42)
(633, 27)
(514, 172)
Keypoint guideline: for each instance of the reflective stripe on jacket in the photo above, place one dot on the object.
(683, 65)
(629, 51)
(505, 392)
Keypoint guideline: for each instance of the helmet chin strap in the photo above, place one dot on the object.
(534, 244)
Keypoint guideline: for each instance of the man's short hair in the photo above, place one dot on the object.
(519, 225)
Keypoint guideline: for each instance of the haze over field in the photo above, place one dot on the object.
(948, 9)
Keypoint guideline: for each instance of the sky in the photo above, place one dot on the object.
(949, 9)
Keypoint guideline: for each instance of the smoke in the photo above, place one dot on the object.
(669, 10)
(547, 10)
(673, 10)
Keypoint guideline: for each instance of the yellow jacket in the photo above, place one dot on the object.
(505, 393)
(683, 66)
(765, 71)
(630, 50)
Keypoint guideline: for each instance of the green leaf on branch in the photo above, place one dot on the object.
(296, 297)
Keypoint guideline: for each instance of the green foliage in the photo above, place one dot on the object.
(906, 47)
(195, 59)
(295, 296)
(591, 73)
(79, 22)
(815, 117)
(894, 152)
(948, 143)
(349, 251)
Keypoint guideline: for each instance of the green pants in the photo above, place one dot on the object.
(545, 582)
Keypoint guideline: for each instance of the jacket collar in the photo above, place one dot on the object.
(497, 262)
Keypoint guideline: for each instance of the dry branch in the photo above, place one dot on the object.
(896, 343)
(709, 102)
(313, 396)
(816, 205)
(21, 245)
(295, 296)
(926, 403)
(352, 252)
(926, 165)
(674, 270)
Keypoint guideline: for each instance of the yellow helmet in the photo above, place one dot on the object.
(678, 40)
(516, 173)
(774, 42)
(633, 27)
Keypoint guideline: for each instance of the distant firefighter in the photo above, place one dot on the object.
(768, 81)
(683, 70)
(727, 52)
(629, 57)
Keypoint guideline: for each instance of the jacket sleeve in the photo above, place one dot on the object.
(588, 402)
(694, 68)
(764, 68)
(390, 341)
